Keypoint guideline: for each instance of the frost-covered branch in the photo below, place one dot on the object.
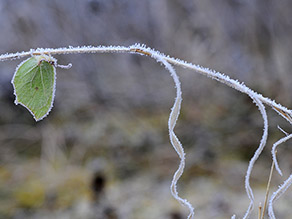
(175, 110)
(143, 50)
(274, 149)
(256, 154)
(281, 190)
(166, 60)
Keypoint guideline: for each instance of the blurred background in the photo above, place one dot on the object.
(103, 151)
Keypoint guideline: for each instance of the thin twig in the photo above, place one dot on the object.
(260, 211)
(268, 188)
(274, 149)
(277, 194)
(166, 60)
(143, 50)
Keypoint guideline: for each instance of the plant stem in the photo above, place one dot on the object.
(260, 211)
(268, 189)
(142, 50)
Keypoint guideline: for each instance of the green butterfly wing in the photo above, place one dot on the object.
(34, 84)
